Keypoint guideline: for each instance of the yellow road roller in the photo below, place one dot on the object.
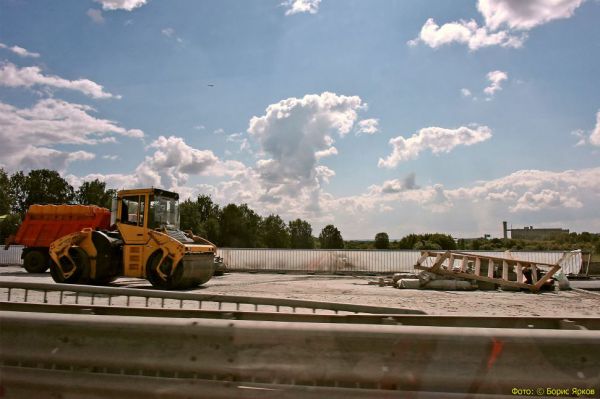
(144, 241)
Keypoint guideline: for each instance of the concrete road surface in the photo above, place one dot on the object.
(356, 290)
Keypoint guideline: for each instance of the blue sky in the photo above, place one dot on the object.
(396, 116)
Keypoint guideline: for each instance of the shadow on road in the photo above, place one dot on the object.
(24, 273)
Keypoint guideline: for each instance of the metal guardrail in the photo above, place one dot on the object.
(290, 357)
(332, 261)
(71, 294)
(548, 323)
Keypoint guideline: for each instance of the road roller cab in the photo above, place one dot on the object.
(144, 242)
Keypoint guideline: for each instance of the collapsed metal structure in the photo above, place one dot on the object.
(525, 274)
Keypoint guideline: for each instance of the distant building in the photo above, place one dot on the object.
(529, 233)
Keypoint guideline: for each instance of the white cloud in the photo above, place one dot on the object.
(545, 199)
(496, 78)
(110, 157)
(595, 136)
(126, 5)
(465, 92)
(527, 196)
(20, 51)
(27, 134)
(95, 15)
(175, 159)
(396, 185)
(581, 137)
(168, 32)
(243, 142)
(294, 133)
(81, 156)
(465, 32)
(171, 165)
(525, 15)
(436, 139)
(326, 153)
(32, 157)
(13, 76)
(535, 190)
(514, 15)
(301, 6)
(554, 199)
(368, 126)
(171, 34)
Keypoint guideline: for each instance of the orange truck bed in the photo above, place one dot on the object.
(44, 224)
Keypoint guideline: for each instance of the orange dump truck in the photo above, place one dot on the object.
(44, 224)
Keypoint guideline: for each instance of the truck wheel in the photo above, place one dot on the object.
(71, 272)
(36, 261)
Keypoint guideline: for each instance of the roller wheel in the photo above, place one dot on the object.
(36, 261)
(74, 272)
(155, 279)
(173, 282)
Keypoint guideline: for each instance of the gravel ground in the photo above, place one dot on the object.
(357, 290)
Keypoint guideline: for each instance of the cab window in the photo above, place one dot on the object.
(132, 210)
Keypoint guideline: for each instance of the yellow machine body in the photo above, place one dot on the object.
(145, 243)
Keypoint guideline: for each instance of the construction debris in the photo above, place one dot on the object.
(410, 283)
(460, 271)
(504, 272)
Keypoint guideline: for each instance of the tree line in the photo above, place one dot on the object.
(229, 226)
(238, 226)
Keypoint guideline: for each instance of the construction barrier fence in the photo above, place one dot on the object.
(358, 261)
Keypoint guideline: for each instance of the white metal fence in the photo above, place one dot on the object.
(352, 261)
(328, 261)
(12, 256)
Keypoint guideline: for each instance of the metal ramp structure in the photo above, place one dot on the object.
(491, 269)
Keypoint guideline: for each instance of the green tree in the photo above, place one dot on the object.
(95, 193)
(5, 198)
(18, 192)
(189, 217)
(239, 227)
(427, 245)
(252, 222)
(40, 186)
(408, 242)
(331, 238)
(208, 209)
(274, 232)
(9, 224)
(427, 241)
(301, 234)
(209, 215)
(382, 241)
(201, 216)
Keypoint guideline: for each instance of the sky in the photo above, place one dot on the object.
(412, 116)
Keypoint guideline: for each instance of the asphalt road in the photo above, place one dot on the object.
(357, 290)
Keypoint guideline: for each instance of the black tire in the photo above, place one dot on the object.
(153, 276)
(173, 282)
(81, 266)
(36, 261)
